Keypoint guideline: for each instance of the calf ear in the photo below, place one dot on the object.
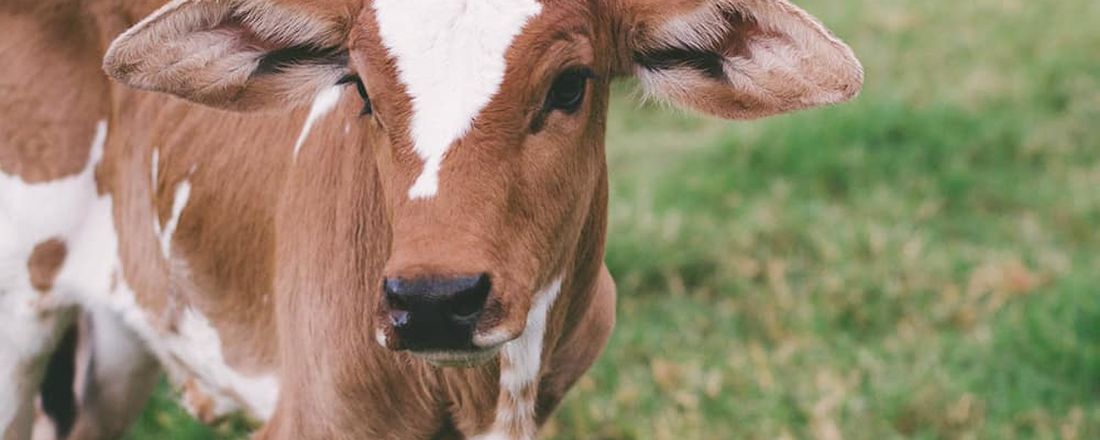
(232, 54)
(738, 59)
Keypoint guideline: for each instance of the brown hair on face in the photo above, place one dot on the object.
(515, 189)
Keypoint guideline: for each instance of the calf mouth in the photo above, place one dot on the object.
(467, 348)
(457, 359)
(464, 347)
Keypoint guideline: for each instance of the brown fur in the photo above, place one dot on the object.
(55, 48)
(46, 260)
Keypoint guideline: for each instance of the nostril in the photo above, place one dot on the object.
(394, 297)
(432, 301)
(467, 304)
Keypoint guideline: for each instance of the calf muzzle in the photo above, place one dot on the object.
(436, 313)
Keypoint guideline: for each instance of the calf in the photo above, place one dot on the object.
(363, 219)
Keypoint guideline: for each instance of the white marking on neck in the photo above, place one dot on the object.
(97, 146)
(179, 202)
(325, 101)
(156, 167)
(524, 356)
(203, 346)
(450, 56)
(525, 353)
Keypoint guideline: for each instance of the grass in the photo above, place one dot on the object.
(923, 263)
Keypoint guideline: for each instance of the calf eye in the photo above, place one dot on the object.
(568, 90)
(359, 87)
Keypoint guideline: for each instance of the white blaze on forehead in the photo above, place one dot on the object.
(450, 57)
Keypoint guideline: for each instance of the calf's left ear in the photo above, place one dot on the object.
(738, 59)
(233, 54)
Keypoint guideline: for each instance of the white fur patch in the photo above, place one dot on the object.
(155, 165)
(450, 56)
(524, 356)
(325, 101)
(120, 355)
(193, 351)
(31, 214)
(380, 338)
(179, 202)
(92, 276)
(525, 353)
(199, 347)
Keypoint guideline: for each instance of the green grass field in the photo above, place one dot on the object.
(922, 263)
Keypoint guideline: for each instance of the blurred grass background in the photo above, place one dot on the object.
(922, 263)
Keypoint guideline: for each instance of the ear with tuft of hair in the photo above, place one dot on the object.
(231, 54)
(739, 59)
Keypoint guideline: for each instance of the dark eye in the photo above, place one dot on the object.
(359, 87)
(567, 93)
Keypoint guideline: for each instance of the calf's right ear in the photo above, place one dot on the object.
(238, 55)
(738, 59)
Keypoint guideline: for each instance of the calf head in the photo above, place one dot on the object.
(485, 118)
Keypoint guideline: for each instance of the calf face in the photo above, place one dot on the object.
(486, 119)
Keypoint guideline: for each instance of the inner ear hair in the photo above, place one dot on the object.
(707, 62)
(290, 28)
(700, 41)
(233, 54)
(285, 59)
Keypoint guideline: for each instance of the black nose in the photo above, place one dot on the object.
(436, 313)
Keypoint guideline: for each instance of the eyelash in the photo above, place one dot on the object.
(368, 109)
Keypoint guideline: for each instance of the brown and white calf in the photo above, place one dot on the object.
(363, 219)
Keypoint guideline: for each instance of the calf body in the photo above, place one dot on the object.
(364, 219)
